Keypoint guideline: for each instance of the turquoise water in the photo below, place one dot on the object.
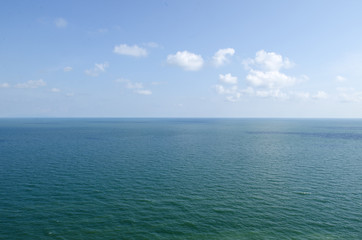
(180, 179)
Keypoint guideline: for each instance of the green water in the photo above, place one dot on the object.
(180, 179)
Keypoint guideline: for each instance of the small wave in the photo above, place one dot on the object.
(303, 193)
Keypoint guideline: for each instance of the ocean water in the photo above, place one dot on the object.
(180, 179)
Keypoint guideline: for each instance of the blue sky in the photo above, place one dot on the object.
(181, 59)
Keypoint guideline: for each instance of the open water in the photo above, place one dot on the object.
(180, 179)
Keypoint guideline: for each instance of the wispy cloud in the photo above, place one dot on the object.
(152, 45)
(349, 95)
(221, 56)
(4, 85)
(143, 92)
(98, 68)
(134, 51)
(60, 23)
(55, 90)
(340, 78)
(137, 87)
(31, 84)
(131, 85)
(320, 95)
(232, 93)
(102, 30)
(186, 60)
(67, 69)
(271, 93)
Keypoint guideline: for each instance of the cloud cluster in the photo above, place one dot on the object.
(31, 84)
(134, 51)
(186, 60)
(269, 79)
(265, 71)
(268, 61)
(266, 76)
(98, 68)
(265, 79)
(193, 62)
(232, 93)
(221, 56)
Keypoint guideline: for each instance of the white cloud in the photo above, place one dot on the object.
(101, 66)
(220, 89)
(144, 92)
(61, 22)
(233, 93)
(4, 85)
(98, 68)
(227, 78)
(131, 85)
(220, 57)
(320, 95)
(344, 89)
(31, 84)
(273, 93)
(134, 50)
(268, 61)
(265, 74)
(266, 80)
(102, 30)
(349, 95)
(67, 69)
(340, 79)
(188, 61)
(270, 79)
(55, 90)
(279, 94)
(152, 45)
(300, 95)
(234, 98)
(136, 86)
(247, 91)
(226, 90)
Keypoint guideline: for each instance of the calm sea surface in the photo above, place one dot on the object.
(180, 179)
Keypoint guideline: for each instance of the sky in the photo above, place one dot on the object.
(158, 58)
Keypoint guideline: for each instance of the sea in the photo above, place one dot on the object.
(107, 178)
